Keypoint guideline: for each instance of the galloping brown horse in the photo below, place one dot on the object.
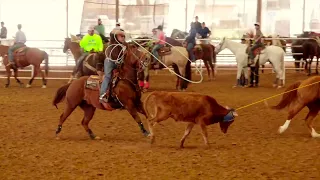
(90, 63)
(24, 57)
(124, 92)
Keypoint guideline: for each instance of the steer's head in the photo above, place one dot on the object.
(228, 119)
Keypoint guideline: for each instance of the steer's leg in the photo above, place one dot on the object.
(186, 133)
(204, 134)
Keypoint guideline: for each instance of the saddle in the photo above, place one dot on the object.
(92, 88)
(166, 50)
(20, 53)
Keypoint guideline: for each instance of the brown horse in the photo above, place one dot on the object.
(90, 63)
(123, 92)
(24, 57)
(301, 94)
(207, 54)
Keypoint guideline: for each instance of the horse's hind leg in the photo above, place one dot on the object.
(44, 81)
(8, 77)
(313, 111)
(68, 110)
(294, 109)
(35, 73)
(15, 72)
(208, 70)
(88, 114)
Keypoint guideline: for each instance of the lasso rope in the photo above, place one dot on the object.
(242, 107)
(119, 59)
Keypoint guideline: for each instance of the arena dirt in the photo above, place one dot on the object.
(252, 149)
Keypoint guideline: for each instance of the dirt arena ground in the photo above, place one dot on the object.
(252, 149)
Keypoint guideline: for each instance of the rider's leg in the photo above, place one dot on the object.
(251, 53)
(155, 52)
(108, 67)
(10, 56)
(79, 62)
(190, 50)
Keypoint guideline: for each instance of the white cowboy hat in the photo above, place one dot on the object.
(257, 24)
(91, 28)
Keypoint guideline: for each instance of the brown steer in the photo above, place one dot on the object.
(187, 107)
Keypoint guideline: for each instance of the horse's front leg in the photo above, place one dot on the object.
(15, 72)
(310, 63)
(146, 78)
(8, 76)
(246, 76)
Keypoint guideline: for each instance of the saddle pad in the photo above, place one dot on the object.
(93, 83)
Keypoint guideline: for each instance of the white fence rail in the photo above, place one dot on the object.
(58, 58)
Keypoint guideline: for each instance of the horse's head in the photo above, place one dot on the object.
(221, 46)
(3, 50)
(198, 51)
(67, 42)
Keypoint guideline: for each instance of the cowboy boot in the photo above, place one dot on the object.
(238, 83)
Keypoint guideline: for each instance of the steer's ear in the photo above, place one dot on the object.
(227, 107)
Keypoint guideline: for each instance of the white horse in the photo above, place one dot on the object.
(274, 54)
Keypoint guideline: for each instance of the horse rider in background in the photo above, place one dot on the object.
(3, 34)
(256, 44)
(91, 42)
(101, 30)
(159, 43)
(204, 33)
(191, 41)
(19, 42)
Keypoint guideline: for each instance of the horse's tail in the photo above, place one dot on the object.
(46, 62)
(61, 93)
(188, 72)
(283, 68)
(287, 98)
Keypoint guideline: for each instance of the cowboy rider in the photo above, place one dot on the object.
(159, 43)
(19, 42)
(109, 66)
(89, 42)
(257, 42)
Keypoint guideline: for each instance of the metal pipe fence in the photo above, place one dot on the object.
(225, 59)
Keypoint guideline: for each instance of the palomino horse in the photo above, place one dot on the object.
(299, 95)
(124, 92)
(24, 57)
(274, 54)
(90, 63)
(174, 56)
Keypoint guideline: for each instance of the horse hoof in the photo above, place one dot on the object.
(6, 86)
(57, 138)
(28, 86)
(279, 87)
(44, 86)
(97, 138)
